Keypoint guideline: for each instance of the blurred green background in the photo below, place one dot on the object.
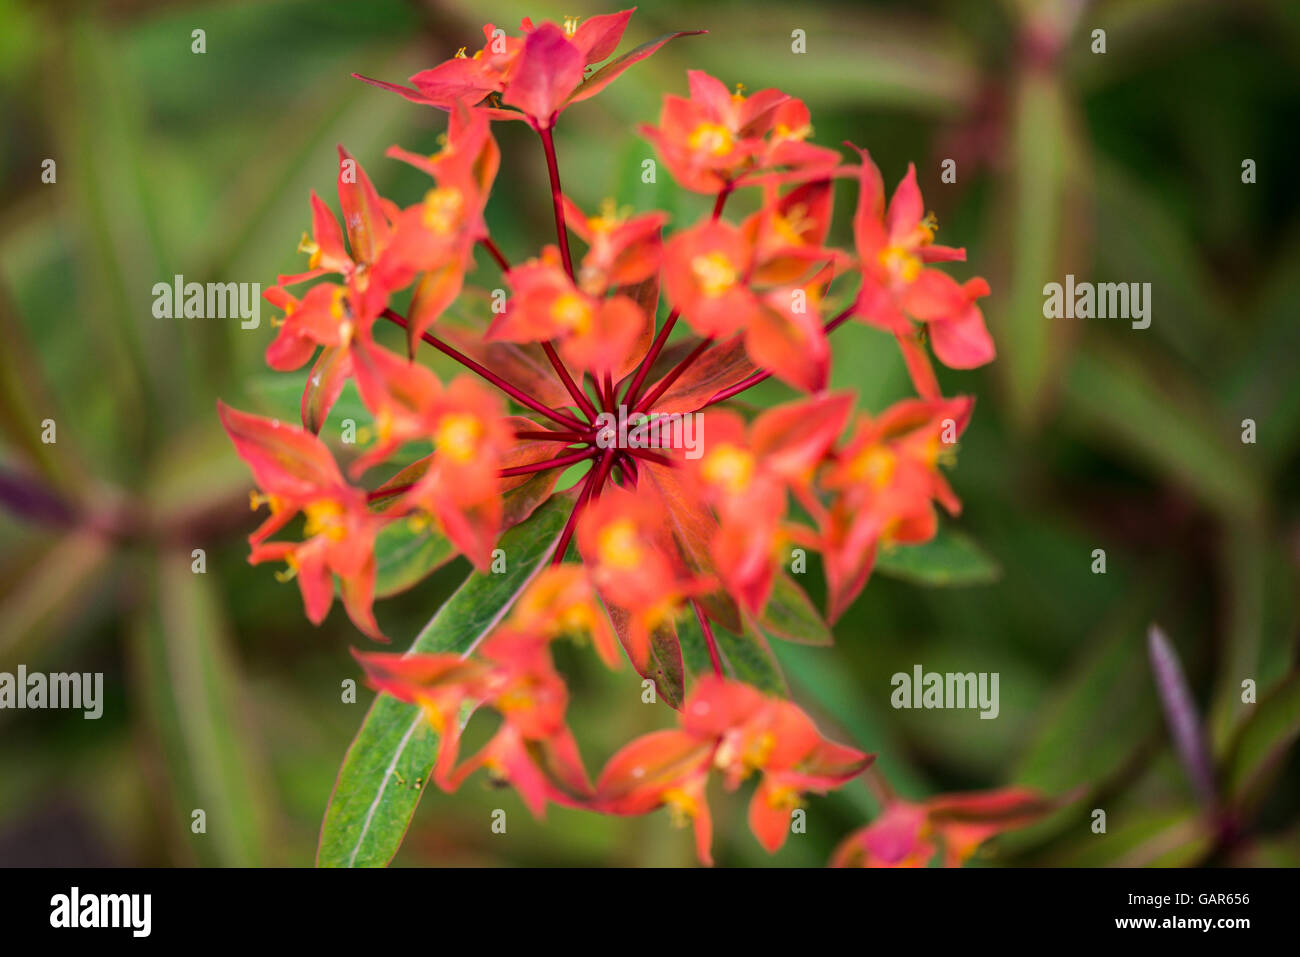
(1122, 166)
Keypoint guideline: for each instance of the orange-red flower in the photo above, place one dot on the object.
(895, 246)
(297, 474)
(661, 531)
(461, 487)
(732, 728)
(907, 834)
(593, 334)
(535, 76)
(884, 482)
(623, 543)
(747, 473)
(709, 141)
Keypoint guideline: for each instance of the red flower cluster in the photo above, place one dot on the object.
(726, 726)
(659, 533)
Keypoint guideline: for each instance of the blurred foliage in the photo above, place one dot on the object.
(1123, 166)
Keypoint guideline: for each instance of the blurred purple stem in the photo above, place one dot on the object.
(1181, 715)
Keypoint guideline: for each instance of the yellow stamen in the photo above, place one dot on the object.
(324, 518)
(572, 312)
(791, 225)
(442, 209)
(610, 215)
(681, 806)
(312, 249)
(290, 571)
(729, 466)
(571, 25)
(714, 272)
(901, 263)
(874, 464)
(619, 546)
(711, 138)
(459, 434)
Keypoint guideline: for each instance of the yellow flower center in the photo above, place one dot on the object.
(681, 806)
(729, 466)
(783, 132)
(458, 436)
(610, 215)
(572, 312)
(714, 273)
(442, 209)
(783, 797)
(876, 465)
(901, 263)
(619, 545)
(712, 138)
(324, 518)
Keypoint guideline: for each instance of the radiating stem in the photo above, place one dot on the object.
(721, 201)
(595, 479)
(542, 435)
(667, 382)
(562, 236)
(649, 456)
(578, 395)
(549, 463)
(629, 397)
(509, 389)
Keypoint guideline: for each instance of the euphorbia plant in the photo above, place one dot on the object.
(673, 557)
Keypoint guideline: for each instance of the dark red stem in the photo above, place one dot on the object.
(513, 391)
(667, 382)
(542, 435)
(633, 390)
(557, 199)
(591, 487)
(549, 463)
(495, 253)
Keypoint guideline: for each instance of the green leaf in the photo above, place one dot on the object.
(1259, 746)
(1076, 741)
(384, 771)
(197, 705)
(1164, 420)
(405, 555)
(791, 615)
(745, 657)
(950, 558)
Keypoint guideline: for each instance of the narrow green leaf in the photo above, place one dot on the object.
(196, 706)
(1266, 736)
(1163, 420)
(950, 558)
(389, 761)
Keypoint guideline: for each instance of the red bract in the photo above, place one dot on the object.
(682, 517)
